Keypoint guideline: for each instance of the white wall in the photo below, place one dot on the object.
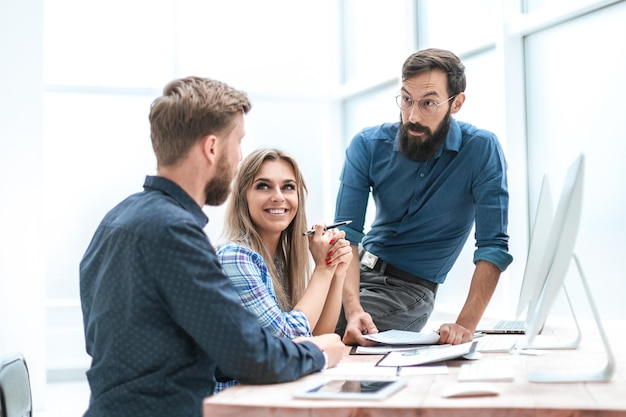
(22, 240)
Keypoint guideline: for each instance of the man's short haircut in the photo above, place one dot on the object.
(429, 59)
(190, 109)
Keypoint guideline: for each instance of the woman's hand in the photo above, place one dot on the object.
(322, 298)
(340, 253)
(320, 246)
(330, 248)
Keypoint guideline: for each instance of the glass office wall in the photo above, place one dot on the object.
(103, 65)
(574, 72)
(317, 73)
(552, 6)
(457, 25)
(112, 44)
(374, 38)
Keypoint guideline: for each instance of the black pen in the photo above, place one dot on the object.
(330, 226)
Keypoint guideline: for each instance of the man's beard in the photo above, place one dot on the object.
(218, 188)
(422, 150)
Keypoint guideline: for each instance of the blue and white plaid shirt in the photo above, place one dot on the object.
(250, 275)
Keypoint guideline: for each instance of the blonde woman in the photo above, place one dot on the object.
(267, 257)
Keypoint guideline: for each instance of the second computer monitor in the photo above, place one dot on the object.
(559, 248)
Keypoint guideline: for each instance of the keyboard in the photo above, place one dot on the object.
(500, 343)
(486, 370)
(510, 325)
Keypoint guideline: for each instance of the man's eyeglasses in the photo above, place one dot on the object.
(426, 106)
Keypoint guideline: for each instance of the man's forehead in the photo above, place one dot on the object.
(431, 80)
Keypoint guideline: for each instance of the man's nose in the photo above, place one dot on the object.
(415, 115)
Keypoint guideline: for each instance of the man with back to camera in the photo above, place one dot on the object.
(160, 317)
(431, 177)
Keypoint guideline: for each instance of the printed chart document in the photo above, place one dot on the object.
(404, 337)
(369, 370)
(400, 340)
(422, 356)
(382, 349)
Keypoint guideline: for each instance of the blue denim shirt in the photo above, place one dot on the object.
(425, 211)
(160, 317)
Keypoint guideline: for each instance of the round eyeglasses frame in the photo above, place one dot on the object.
(426, 106)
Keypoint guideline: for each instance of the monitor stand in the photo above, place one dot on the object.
(580, 375)
(567, 344)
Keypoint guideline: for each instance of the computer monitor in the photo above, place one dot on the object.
(535, 272)
(536, 268)
(559, 247)
(558, 254)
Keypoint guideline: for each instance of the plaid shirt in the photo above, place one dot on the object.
(249, 274)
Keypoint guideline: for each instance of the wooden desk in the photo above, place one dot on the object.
(421, 396)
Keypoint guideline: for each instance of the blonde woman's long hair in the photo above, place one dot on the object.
(292, 252)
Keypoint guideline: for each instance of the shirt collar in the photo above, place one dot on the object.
(176, 192)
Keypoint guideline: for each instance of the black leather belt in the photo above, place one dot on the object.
(374, 263)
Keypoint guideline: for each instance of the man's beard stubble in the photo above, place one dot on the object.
(218, 189)
(422, 150)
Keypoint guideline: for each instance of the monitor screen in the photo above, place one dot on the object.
(559, 247)
(536, 267)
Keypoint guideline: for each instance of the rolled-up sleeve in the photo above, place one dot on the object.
(491, 198)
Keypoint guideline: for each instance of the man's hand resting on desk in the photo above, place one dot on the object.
(454, 334)
(358, 325)
(328, 343)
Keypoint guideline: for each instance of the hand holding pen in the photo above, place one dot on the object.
(336, 247)
(330, 226)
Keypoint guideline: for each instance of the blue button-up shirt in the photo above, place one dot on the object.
(425, 211)
(161, 318)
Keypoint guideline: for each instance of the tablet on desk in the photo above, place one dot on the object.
(352, 389)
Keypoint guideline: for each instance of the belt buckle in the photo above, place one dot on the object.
(369, 260)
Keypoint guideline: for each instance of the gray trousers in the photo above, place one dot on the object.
(392, 302)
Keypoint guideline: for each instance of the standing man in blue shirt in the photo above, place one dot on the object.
(431, 178)
(161, 319)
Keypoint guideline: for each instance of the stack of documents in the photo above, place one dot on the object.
(404, 337)
(396, 340)
(424, 355)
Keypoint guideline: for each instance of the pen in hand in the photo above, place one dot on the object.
(330, 226)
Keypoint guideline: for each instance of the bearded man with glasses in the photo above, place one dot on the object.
(432, 179)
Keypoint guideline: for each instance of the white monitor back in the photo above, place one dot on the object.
(560, 247)
(536, 269)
